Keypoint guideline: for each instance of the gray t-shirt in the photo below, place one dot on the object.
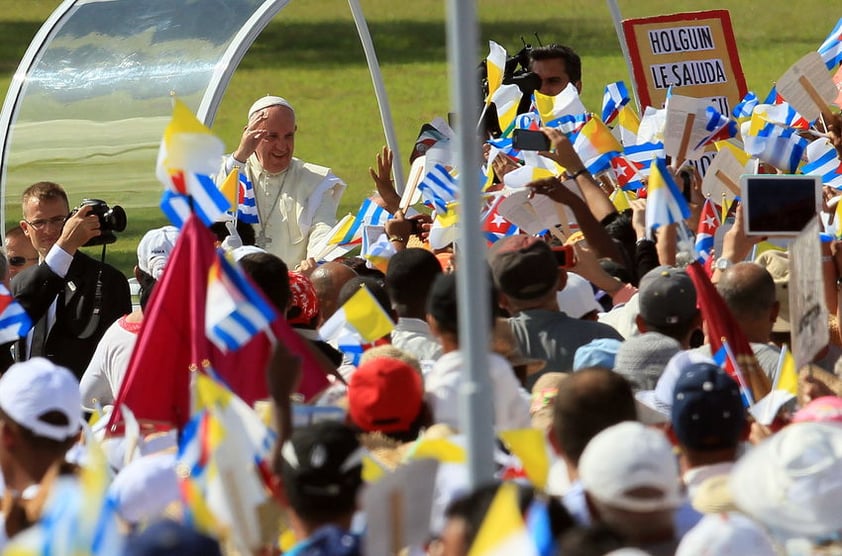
(554, 337)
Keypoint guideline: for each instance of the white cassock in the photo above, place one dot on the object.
(297, 207)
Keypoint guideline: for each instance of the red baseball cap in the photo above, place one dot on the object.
(385, 395)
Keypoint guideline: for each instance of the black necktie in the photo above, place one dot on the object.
(39, 338)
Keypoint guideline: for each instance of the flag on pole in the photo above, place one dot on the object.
(176, 207)
(349, 230)
(722, 328)
(233, 449)
(628, 122)
(827, 166)
(235, 312)
(781, 113)
(628, 177)
(503, 530)
(14, 320)
(718, 127)
(188, 147)
(173, 342)
(495, 65)
(615, 97)
(246, 204)
(781, 147)
(494, 226)
(592, 142)
(507, 99)
(564, 110)
(725, 358)
(708, 224)
(642, 155)
(438, 187)
(786, 377)
(745, 107)
(665, 202)
(831, 48)
(361, 315)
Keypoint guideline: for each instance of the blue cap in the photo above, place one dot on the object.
(597, 353)
(167, 538)
(707, 410)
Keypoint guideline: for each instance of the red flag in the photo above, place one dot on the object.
(721, 325)
(172, 340)
(172, 343)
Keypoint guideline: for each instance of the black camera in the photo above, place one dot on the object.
(111, 219)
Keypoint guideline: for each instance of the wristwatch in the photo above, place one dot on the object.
(722, 263)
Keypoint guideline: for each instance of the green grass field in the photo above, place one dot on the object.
(310, 54)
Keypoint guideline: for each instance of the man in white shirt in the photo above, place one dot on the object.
(408, 280)
(296, 201)
(443, 382)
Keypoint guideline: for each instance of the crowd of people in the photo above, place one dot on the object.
(642, 437)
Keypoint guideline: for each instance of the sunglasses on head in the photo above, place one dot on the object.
(20, 261)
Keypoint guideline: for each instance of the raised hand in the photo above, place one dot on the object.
(382, 177)
(253, 134)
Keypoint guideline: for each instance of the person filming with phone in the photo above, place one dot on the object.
(296, 201)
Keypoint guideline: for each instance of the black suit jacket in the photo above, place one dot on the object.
(69, 343)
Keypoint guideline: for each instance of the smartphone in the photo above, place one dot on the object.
(529, 140)
(565, 257)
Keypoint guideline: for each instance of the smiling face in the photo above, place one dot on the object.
(276, 149)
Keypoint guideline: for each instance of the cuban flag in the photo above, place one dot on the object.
(246, 205)
(234, 311)
(176, 207)
(831, 48)
(745, 107)
(494, 226)
(717, 126)
(626, 173)
(615, 97)
(14, 320)
(708, 224)
(642, 155)
(726, 360)
(438, 188)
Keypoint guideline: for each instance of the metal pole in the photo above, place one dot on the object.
(621, 36)
(475, 415)
(379, 91)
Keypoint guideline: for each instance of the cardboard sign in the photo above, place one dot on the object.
(693, 52)
(723, 177)
(808, 87)
(807, 310)
(398, 506)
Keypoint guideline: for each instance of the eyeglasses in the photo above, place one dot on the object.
(42, 223)
(20, 261)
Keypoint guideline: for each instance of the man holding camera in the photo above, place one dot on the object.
(296, 201)
(71, 298)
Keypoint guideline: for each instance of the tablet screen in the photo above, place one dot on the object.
(779, 205)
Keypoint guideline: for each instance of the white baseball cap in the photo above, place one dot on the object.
(629, 456)
(154, 250)
(792, 481)
(268, 101)
(145, 487)
(726, 534)
(577, 297)
(32, 388)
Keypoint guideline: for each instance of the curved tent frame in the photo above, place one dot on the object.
(91, 96)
